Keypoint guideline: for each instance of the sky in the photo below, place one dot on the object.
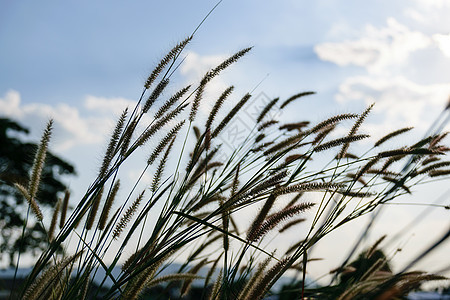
(82, 62)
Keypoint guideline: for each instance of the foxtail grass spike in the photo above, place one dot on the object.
(160, 169)
(290, 141)
(434, 167)
(39, 159)
(126, 218)
(217, 106)
(294, 126)
(398, 183)
(155, 94)
(137, 284)
(165, 61)
(435, 141)
(210, 75)
(322, 134)
(277, 218)
(392, 135)
(202, 169)
(212, 270)
(266, 281)
(208, 139)
(216, 287)
(165, 141)
(256, 224)
(266, 109)
(403, 152)
(230, 115)
(31, 201)
(235, 184)
(51, 229)
(332, 121)
(65, 206)
(367, 167)
(354, 129)
(127, 135)
(107, 206)
(429, 160)
(267, 184)
(267, 124)
(159, 124)
(196, 132)
(47, 280)
(259, 137)
(295, 97)
(113, 143)
(202, 164)
(438, 173)
(94, 209)
(291, 224)
(261, 147)
(225, 225)
(229, 61)
(374, 247)
(198, 97)
(249, 286)
(356, 194)
(337, 142)
(349, 156)
(169, 103)
(306, 187)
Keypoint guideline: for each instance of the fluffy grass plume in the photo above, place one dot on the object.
(31, 201)
(39, 159)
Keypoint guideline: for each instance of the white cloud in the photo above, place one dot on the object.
(401, 101)
(401, 70)
(71, 128)
(443, 42)
(431, 16)
(396, 74)
(91, 123)
(196, 65)
(433, 4)
(10, 104)
(377, 49)
(108, 105)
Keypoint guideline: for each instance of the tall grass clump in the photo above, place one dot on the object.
(220, 214)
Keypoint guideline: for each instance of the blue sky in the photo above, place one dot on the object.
(81, 62)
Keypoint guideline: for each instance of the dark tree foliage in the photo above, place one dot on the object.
(16, 159)
(348, 276)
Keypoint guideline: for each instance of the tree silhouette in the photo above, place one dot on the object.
(16, 158)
